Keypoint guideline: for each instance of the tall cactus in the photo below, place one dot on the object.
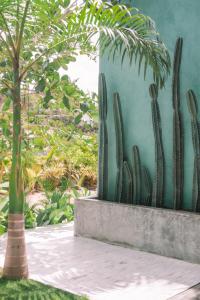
(137, 173)
(103, 140)
(178, 142)
(159, 180)
(127, 183)
(147, 187)
(119, 146)
(193, 109)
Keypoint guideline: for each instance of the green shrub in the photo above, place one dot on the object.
(57, 208)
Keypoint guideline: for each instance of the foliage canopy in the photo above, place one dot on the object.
(40, 32)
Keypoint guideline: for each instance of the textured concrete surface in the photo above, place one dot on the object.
(165, 232)
(103, 271)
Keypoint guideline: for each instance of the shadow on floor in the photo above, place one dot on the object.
(104, 271)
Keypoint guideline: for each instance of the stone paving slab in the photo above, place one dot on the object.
(103, 271)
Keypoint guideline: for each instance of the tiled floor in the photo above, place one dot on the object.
(103, 271)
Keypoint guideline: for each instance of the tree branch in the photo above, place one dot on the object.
(46, 52)
(70, 8)
(7, 47)
(17, 23)
(8, 31)
(21, 31)
(7, 84)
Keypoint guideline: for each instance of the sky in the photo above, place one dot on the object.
(85, 71)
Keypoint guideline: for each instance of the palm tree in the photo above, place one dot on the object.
(33, 29)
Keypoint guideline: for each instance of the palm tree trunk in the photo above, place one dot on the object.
(15, 265)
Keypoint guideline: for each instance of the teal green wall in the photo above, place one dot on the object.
(174, 18)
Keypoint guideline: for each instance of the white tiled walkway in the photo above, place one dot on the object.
(102, 271)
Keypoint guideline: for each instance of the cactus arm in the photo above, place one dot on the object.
(159, 179)
(101, 161)
(193, 110)
(192, 107)
(103, 140)
(178, 159)
(197, 203)
(119, 145)
(176, 73)
(147, 186)
(136, 175)
(192, 104)
(119, 185)
(178, 134)
(102, 97)
(127, 183)
(196, 185)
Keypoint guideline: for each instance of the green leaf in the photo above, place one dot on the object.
(66, 102)
(47, 98)
(64, 3)
(4, 124)
(3, 63)
(27, 55)
(69, 90)
(4, 205)
(41, 85)
(78, 118)
(6, 104)
(2, 229)
(65, 77)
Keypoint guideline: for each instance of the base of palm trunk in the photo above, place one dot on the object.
(15, 265)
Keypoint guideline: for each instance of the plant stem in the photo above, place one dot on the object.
(15, 265)
(8, 32)
(21, 30)
(16, 182)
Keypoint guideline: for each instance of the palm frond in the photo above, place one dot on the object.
(120, 30)
(123, 31)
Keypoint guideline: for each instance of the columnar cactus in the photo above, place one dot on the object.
(127, 184)
(119, 145)
(137, 174)
(178, 143)
(147, 187)
(103, 140)
(192, 106)
(159, 180)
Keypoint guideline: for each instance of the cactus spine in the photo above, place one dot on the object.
(178, 145)
(159, 180)
(127, 183)
(103, 140)
(137, 173)
(147, 187)
(192, 106)
(119, 145)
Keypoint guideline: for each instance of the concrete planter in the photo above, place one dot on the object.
(161, 231)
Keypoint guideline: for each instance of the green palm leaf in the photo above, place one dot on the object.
(120, 31)
(123, 30)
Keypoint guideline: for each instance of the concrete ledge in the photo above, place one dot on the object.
(165, 232)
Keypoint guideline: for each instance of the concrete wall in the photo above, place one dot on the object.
(174, 18)
(165, 232)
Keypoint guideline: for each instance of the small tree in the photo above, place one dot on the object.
(32, 31)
